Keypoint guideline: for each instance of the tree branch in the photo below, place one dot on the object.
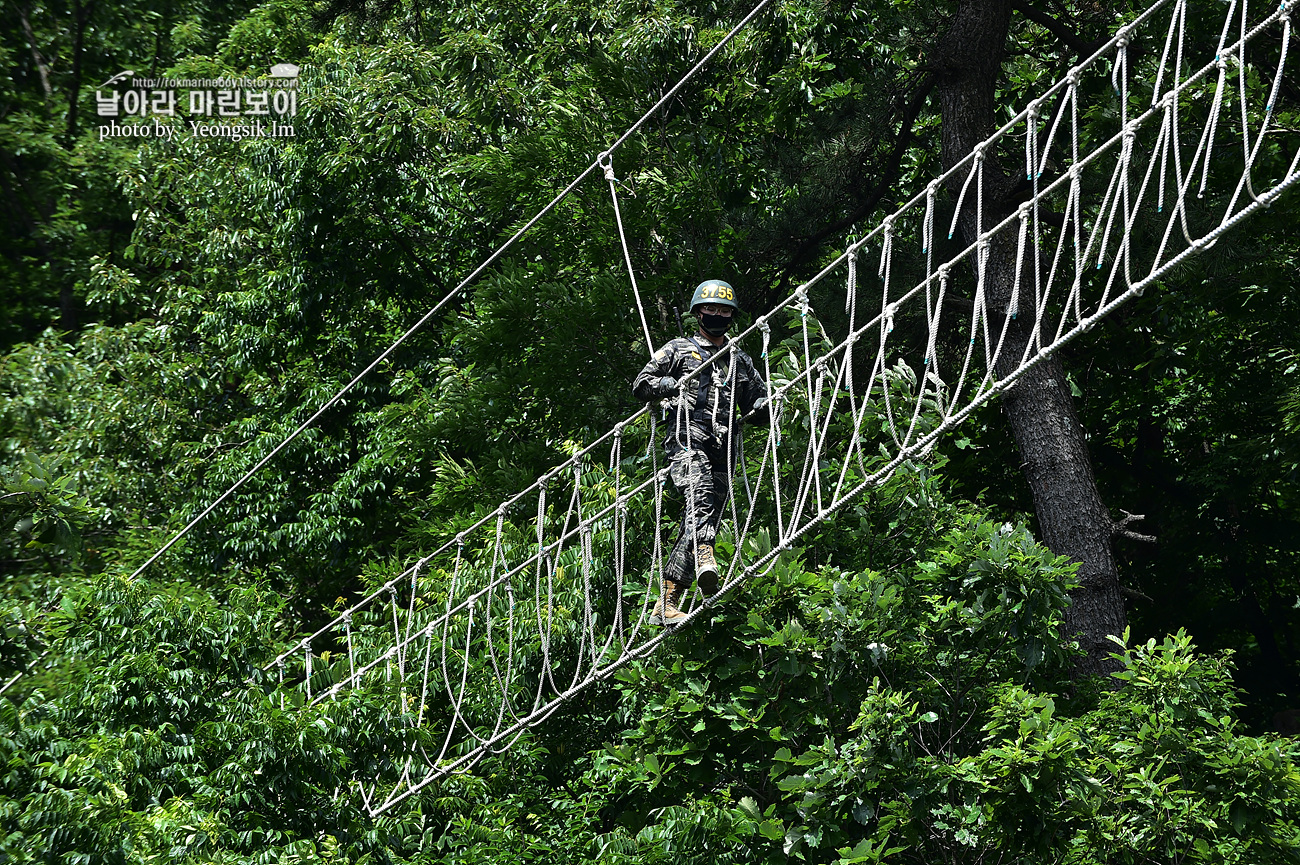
(1121, 530)
(1135, 595)
(1058, 29)
(41, 66)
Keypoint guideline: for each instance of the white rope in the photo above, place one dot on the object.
(576, 635)
(608, 166)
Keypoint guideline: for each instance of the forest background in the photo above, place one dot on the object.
(172, 309)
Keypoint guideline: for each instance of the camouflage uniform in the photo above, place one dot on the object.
(703, 439)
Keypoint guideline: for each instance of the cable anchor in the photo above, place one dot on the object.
(606, 161)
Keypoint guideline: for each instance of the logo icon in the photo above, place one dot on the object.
(126, 73)
(284, 70)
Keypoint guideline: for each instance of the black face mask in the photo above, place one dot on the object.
(714, 325)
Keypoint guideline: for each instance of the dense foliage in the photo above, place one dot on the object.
(898, 690)
(918, 712)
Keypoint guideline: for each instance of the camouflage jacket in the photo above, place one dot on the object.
(710, 394)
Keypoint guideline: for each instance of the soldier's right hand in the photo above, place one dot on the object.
(670, 391)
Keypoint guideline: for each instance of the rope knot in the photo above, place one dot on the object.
(606, 161)
(1032, 111)
(1121, 37)
(1074, 76)
(1024, 211)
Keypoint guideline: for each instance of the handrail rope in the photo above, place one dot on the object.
(919, 447)
(930, 438)
(762, 321)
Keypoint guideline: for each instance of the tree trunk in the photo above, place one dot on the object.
(1071, 517)
(42, 67)
(80, 21)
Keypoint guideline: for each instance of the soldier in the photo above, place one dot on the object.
(704, 427)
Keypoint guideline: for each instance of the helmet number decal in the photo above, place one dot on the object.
(720, 292)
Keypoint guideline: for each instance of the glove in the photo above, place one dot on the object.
(668, 391)
(761, 415)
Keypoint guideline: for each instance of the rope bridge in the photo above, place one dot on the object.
(490, 634)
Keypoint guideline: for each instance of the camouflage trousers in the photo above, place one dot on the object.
(703, 474)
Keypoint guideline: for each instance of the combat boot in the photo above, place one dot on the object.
(666, 611)
(706, 569)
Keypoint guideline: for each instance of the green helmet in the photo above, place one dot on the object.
(714, 291)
